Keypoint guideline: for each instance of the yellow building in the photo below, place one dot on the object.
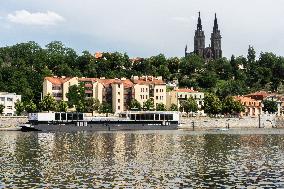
(58, 87)
(178, 95)
(149, 87)
(118, 92)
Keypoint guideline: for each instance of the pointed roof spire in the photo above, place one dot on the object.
(199, 25)
(215, 28)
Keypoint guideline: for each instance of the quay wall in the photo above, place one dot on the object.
(265, 121)
(12, 121)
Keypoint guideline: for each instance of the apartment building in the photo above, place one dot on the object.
(58, 87)
(118, 92)
(9, 100)
(252, 106)
(178, 95)
(149, 87)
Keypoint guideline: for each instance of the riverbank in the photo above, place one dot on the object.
(9, 123)
(265, 121)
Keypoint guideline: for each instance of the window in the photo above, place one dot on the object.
(157, 90)
(141, 96)
(146, 89)
(118, 100)
(157, 97)
(9, 107)
(118, 107)
(146, 96)
(118, 93)
(141, 90)
(10, 99)
(2, 98)
(185, 96)
(118, 85)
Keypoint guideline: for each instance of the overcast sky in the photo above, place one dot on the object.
(143, 27)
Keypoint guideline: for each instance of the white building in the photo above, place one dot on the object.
(9, 100)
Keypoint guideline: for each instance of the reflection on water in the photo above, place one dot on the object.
(146, 159)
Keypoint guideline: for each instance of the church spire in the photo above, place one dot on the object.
(215, 28)
(199, 25)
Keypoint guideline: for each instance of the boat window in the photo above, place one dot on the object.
(138, 117)
(151, 117)
(69, 116)
(143, 116)
(167, 117)
(132, 116)
(162, 117)
(171, 117)
(57, 116)
(75, 117)
(80, 116)
(156, 116)
(63, 116)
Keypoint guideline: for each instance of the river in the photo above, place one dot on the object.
(143, 159)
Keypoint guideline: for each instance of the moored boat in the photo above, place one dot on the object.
(130, 120)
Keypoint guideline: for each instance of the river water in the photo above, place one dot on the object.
(143, 159)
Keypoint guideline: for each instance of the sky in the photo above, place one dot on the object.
(143, 28)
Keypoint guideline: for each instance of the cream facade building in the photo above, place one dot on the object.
(149, 87)
(178, 95)
(118, 92)
(9, 100)
(58, 87)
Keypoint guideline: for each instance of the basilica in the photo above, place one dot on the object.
(214, 51)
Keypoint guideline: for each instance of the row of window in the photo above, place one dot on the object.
(185, 96)
(161, 97)
(56, 87)
(68, 116)
(161, 90)
(161, 117)
(144, 89)
(144, 96)
(8, 99)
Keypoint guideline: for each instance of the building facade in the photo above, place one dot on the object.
(58, 87)
(9, 100)
(117, 92)
(178, 95)
(214, 50)
(252, 106)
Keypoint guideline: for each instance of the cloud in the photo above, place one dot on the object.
(37, 18)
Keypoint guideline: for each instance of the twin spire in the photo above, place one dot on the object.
(199, 24)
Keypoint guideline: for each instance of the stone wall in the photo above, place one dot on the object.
(266, 121)
(6, 122)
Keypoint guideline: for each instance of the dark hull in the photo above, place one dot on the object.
(103, 127)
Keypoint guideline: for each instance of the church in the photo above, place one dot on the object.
(214, 50)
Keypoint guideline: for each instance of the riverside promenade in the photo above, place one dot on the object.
(203, 123)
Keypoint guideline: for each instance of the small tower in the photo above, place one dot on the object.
(216, 40)
(199, 38)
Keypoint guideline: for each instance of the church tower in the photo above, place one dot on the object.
(216, 40)
(199, 39)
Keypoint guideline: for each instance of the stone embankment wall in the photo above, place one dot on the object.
(6, 122)
(265, 121)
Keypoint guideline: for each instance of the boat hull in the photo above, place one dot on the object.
(102, 127)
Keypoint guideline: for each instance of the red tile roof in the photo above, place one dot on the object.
(185, 90)
(88, 79)
(106, 82)
(57, 80)
(98, 55)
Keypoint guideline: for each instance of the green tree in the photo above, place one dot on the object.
(148, 105)
(61, 106)
(270, 106)
(20, 108)
(92, 104)
(135, 105)
(189, 105)
(105, 108)
(174, 107)
(48, 103)
(30, 107)
(76, 95)
(161, 107)
(231, 106)
(212, 104)
(1, 109)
